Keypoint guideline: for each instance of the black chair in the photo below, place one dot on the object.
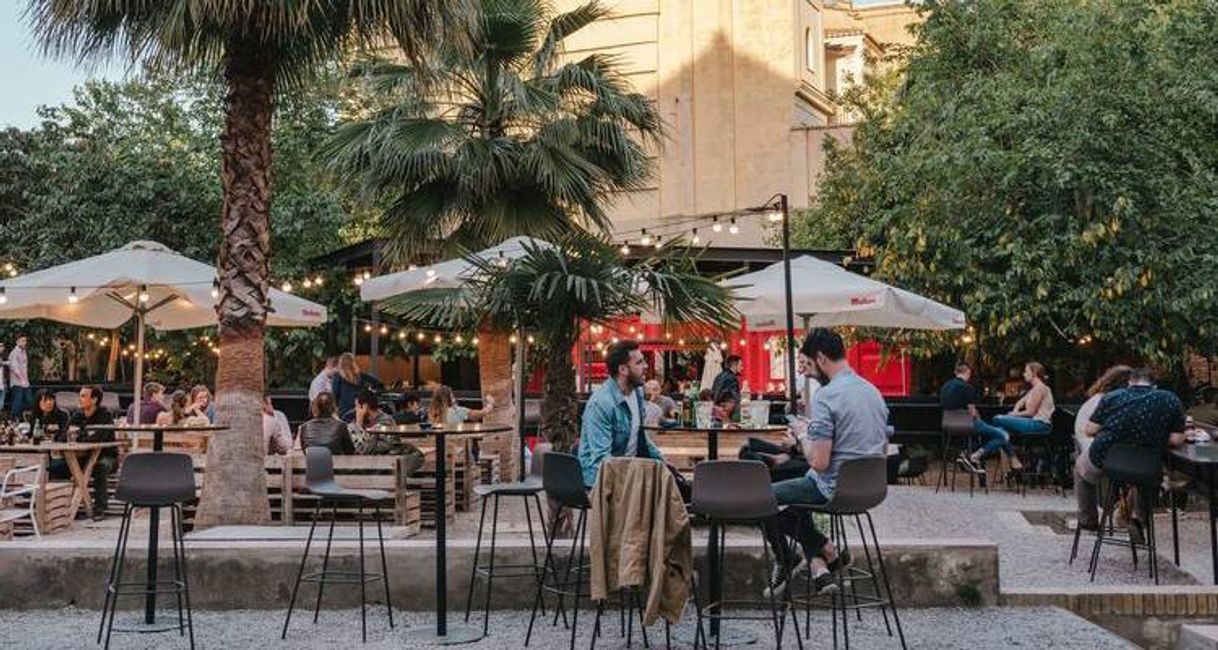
(530, 488)
(319, 481)
(152, 480)
(1040, 452)
(958, 438)
(861, 486)
(563, 481)
(739, 492)
(1129, 466)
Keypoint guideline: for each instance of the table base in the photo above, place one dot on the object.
(458, 634)
(728, 636)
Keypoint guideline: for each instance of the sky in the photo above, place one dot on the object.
(30, 79)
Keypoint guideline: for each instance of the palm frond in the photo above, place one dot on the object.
(562, 26)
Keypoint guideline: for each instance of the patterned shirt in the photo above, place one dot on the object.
(1143, 416)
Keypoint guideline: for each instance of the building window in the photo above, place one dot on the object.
(809, 50)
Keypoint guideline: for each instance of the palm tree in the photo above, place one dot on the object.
(258, 49)
(506, 139)
(551, 290)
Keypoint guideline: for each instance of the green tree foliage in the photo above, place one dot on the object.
(1049, 167)
(139, 159)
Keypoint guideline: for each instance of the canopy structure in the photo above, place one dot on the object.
(824, 294)
(453, 274)
(142, 280)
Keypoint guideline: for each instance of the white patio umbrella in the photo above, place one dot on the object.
(145, 280)
(453, 274)
(825, 294)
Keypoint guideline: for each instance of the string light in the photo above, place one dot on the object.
(743, 342)
(474, 341)
(531, 340)
(367, 275)
(307, 284)
(143, 293)
(215, 289)
(420, 336)
(680, 341)
(458, 339)
(384, 330)
(716, 226)
(512, 339)
(625, 249)
(774, 216)
(359, 281)
(438, 339)
(72, 297)
(401, 335)
(367, 328)
(287, 287)
(696, 239)
(318, 281)
(645, 240)
(734, 229)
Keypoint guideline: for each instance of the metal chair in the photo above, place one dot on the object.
(1128, 466)
(563, 481)
(957, 424)
(152, 480)
(739, 492)
(319, 481)
(861, 486)
(530, 488)
(28, 490)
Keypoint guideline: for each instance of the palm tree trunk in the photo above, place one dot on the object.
(234, 490)
(559, 407)
(495, 376)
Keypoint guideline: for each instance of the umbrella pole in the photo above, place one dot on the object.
(786, 272)
(138, 389)
(520, 344)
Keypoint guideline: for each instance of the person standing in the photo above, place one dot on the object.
(728, 381)
(20, 394)
(3, 376)
(347, 382)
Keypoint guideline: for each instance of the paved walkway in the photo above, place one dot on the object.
(930, 628)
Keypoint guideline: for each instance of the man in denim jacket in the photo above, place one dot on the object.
(613, 419)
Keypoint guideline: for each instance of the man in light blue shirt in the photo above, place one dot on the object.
(613, 418)
(849, 420)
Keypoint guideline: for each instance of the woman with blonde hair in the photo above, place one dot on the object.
(346, 384)
(177, 410)
(1032, 416)
(444, 408)
(200, 403)
(1112, 379)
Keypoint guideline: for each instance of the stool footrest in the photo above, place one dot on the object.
(342, 577)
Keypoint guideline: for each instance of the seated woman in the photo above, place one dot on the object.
(47, 413)
(724, 409)
(445, 410)
(325, 430)
(1112, 379)
(178, 405)
(201, 407)
(1031, 416)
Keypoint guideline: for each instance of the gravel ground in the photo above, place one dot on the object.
(933, 628)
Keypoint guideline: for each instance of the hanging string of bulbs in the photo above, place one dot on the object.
(689, 227)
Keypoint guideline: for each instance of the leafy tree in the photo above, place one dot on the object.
(552, 289)
(259, 49)
(1049, 168)
(505, 138)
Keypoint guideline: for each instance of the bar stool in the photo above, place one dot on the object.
(957, 424)
(861, 485)
(152, 480)
(1128, 466)
(530, 488)
(739, 492)
(319, 481)
(563, 481)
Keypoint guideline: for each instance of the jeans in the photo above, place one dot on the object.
(23, 398)
(794, 468)
(795, 523)
(1, 399)
(102, 469)
(997, 436)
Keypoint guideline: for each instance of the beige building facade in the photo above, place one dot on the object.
(745, 88)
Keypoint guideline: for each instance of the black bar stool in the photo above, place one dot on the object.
(152, 480)
(957, 424)
(861, 485)
(530, 488)
(319, 481)
(563, 481)
(739, 492)
(1128, 466)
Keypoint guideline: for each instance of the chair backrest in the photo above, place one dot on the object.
(563, 479)
(539, 458)
(1134, 465)
(957, 422)
(30, 475)
(156, 478)
(319, 467)
(862, 484)
(733, 490)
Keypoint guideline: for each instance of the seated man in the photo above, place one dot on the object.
(276, 431)
(1139, 415)
(849, 420)
(613, 418)
(411, 411)
(660, 407)
(724, 411)
(786, 458)
(91, 412)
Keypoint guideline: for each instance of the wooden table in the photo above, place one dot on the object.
(71, 452)
(1203, 457)
(443, 635)
(154, 514)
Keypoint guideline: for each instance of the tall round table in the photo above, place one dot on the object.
(723, 636)
(444, 634)
(154, 514)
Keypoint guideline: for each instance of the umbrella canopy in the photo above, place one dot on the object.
(827, 295)
(106, 288)
(450, 274)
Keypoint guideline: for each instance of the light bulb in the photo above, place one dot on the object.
(645, 239)
(696, 239)
(532, 340)
(401, 335)
(625, 249)
(359, 281)
(774, 216)
(287, 287)
(318, 281)
(367, 328)
(420, 336)
(512, 339)
(717, 227)
(307, 284)
(474, 341)
(458, 339)
(734, 229)
(680, 341)
(439, 339)
(367, 274)
(384, 330)
(144, 294)
(72, 298)
(3, 296)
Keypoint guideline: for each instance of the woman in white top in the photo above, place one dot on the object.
(1112, 379)
(445, 410)
(1032, 416)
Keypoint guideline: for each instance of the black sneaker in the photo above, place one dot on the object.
(968, 465)
(824, 583)
(1137, 534)
(780, 575)
(842, 561)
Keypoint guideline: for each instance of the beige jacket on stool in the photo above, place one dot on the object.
(641, 536)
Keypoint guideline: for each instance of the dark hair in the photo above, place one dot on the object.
(411, 397)
(95, 391)
(731, 358)
(704, 395)
(43, 394)
(1141, 375)
(963, 367)
(619, 355)
(1112, 379)
(323, 406)
(826, 342)
(368, 398)
(725, 396)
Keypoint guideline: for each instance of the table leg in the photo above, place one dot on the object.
(712, 553)
(80, 478)
(441, 536)
(154, 531)
(1213, 526)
